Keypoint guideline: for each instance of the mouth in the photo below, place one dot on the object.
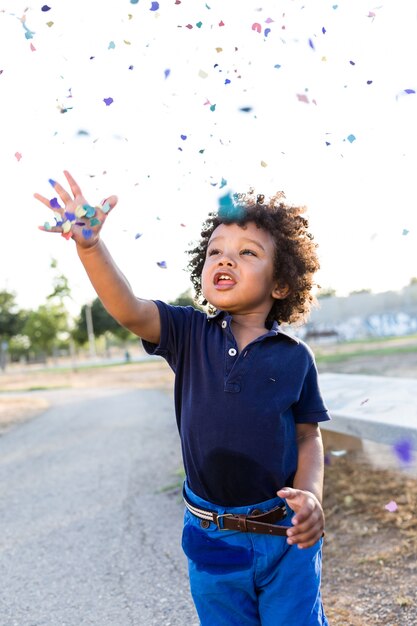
(223, 279)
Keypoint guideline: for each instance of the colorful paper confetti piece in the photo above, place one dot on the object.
(138, 235)
(403, 450)
(111, 45)
(154, 6)
(45, 8)
(90, 211)
(338, 453)
(18, 155)
(263, 164)
(70, 216)
(167, 72)
(80, 211)
(108, 101)
(87, 233)
(257, 27)
(134, 1)
(66, 226)
(162, 264)
(405, 232)
(351, 138)
(105, 207)
(391, 506)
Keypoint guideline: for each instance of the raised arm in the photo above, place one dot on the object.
(82, 222)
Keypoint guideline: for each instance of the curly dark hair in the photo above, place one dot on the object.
(296, 259)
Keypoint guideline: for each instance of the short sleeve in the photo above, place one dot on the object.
(175, 325)
(310, 406)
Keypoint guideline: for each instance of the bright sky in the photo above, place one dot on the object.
(330, 123)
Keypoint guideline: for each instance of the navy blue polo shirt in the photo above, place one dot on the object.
(236, 413)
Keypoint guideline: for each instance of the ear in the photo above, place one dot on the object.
(280, 292)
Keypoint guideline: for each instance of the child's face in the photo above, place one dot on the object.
(238, 273)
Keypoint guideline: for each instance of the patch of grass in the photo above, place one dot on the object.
(337, 357)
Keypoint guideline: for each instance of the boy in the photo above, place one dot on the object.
(247, 404)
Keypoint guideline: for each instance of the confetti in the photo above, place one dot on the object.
(45, 8)
(183, 137)
(338, 453)
(87, 233)
(245, 109)
(301, 97)
(228, 209)
(263, 164)
(138, 235)
(405, 92)
(18, 155)
(134, 1)
(257, 27)
(108, 101)
(351, 138)
(54, 204)
(403, 450)
(267, 31)
(364, 401)
(154, 6)
(405, 232)
(167, 72)
(52, 182)
(162, 264)
(391, 506)
(111, 45)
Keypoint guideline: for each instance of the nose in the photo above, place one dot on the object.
(226, 260)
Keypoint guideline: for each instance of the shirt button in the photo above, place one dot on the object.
(224, 324)
(232, 352)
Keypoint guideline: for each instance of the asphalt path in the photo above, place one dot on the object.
(90, 528)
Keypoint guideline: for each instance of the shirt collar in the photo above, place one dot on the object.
(219, 315)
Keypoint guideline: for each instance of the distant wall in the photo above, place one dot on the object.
(364, 315)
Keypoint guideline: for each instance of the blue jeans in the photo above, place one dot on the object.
(247, 579)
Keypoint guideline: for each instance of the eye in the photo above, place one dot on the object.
(248, 252)
(212, 252)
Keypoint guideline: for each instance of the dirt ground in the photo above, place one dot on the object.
(370, 564)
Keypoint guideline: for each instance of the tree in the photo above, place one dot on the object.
(327, 292)
(43, 327)
(102, 322)
(185, 299)
(11, 322)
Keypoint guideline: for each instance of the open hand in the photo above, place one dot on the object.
(77, 219)
(308, 521)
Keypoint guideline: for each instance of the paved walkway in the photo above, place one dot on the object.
(89, 535)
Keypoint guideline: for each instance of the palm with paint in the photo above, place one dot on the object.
(77, 219)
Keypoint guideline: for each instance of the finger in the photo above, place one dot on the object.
(75, 188)
(305, 539)
(51, 229)
(46, 202)
(288, 493)
(105, 207)
(63, 194)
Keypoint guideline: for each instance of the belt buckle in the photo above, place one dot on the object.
(223, 515)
